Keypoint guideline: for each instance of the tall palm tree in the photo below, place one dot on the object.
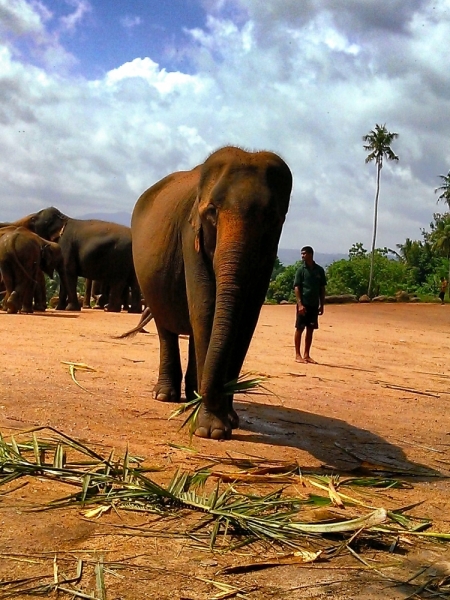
(445, 196)
(378, 144)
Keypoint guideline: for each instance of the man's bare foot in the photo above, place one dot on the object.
(308, 359)
(299, 359)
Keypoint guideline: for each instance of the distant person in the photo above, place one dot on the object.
(309, 286)
(443, 289)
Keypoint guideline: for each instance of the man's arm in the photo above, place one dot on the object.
(321, 299)
(298, 292)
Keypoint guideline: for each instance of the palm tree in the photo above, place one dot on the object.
(445, 196)
(378, 143)
(441, 240)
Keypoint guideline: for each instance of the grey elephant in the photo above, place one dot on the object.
(94, 249)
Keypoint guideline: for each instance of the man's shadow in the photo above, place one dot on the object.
(337, 444)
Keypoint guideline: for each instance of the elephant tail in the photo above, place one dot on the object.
(146, 317)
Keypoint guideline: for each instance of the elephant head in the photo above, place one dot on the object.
(51, 258)
(49, 223)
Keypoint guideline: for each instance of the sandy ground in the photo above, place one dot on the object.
(379, 395)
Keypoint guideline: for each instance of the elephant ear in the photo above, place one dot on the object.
(194, 220)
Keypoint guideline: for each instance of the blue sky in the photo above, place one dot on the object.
(105, 34)
(100, 99)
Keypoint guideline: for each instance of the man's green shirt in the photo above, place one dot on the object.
(309, 281)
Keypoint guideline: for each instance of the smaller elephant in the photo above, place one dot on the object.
(23, 257)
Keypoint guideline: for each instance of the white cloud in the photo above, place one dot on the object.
(304, 79)
(71, 21)
(130, 22)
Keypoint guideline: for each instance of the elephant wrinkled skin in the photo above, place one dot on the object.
(24, 256)
(93, 249)
(214, 235)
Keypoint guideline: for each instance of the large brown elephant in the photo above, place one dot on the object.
(93, 249)
(214, 235)
(24, 256)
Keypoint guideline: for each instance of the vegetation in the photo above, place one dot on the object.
(416, 267)
(378, 144)
(445, 189)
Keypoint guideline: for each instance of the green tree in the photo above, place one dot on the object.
(282, 288)
(278, 268)
(378, 144)
(445, 188)
(420, 261)
(441, 239)
(351, 276)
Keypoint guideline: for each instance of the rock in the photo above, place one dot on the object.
(285, 302)
(340, 299)
(402, 296)
(379, 299)
(364, 298)
(414, 299)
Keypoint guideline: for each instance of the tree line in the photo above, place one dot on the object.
(416, 266)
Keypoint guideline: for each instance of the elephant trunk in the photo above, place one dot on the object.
(233, 269)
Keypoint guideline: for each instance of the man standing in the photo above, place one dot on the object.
(309, 286)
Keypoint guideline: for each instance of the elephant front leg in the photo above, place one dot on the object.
(190, 378)
(68, 299)
(212, 422)
(168, 387)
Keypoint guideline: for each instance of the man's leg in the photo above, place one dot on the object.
(297, 341)
(308, 342)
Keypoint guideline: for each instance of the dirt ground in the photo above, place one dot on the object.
(379, 394)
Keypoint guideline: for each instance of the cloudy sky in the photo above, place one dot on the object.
(99, 99)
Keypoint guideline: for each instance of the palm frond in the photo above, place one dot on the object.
(244, 384)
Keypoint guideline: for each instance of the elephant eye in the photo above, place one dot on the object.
(211, 214)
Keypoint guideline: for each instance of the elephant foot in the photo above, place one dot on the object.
(116, 309)
(27, 310)
(233, 418)
(12, 307)
(40, 308)
(86, 306)
(73, 307)
(135, 310)
(164, 392)
(212, 425)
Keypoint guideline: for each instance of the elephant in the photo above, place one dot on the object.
(40, 297)
(24, 256)
(93, 249)
(214, 235)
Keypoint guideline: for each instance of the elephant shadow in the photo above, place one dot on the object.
(335, 443)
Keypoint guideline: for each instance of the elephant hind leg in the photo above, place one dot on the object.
(168, 386)
(13, 303)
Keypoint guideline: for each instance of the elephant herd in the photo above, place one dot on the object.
(49, 241)
(204, 245)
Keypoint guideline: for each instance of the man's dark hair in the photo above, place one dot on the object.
(308, 250)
